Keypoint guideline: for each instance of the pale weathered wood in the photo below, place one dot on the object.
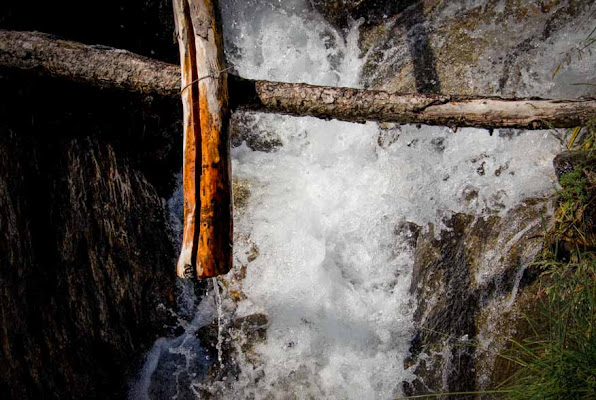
(456, 111)
(191, 140)
(207, 238)
(106, 67)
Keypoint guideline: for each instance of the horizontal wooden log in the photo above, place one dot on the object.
(99, 66)
(356, 105)
(107, 67)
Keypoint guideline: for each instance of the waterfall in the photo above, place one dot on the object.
(321, 240)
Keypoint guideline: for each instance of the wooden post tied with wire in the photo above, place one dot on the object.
(207, 235)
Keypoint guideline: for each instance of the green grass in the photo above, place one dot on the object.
(557, 359)
(573, 230)
(576, 187)
(582, 137)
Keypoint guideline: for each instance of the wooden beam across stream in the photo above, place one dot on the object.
(104, 67)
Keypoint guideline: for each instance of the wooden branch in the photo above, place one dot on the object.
(191, 140)
(105, 67)
(455, 111)
(99, 66)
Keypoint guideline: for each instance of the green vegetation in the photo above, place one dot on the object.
(573, 231)
(558, 358)
(582, 138)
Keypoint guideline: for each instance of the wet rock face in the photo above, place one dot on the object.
(568, 161)
(490, 47)
(198, 369)
(244, 332)
(458, 278)
(86, 265)
(342, 12)
(244, 129)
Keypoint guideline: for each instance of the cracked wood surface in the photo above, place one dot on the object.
(455, 111)
(191, 140)
(100, 66)
(211, 251)
(214, 255)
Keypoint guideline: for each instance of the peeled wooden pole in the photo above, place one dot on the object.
(214, 254)
(191, 139)
(207, 243)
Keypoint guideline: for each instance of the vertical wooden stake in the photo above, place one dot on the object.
(209, 249)
(191, 139)
(214, 255)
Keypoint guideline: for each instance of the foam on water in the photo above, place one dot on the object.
(285, 41)
(333, 270)
(173, 362)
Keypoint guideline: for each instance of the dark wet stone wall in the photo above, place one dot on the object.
(87, 255)
(86, 265)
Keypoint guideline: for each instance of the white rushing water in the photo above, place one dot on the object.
(326, 259)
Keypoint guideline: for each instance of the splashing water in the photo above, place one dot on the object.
(172, 363)
(322, 233)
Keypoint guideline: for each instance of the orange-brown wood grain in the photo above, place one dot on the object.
(207, 237)
(191, 139)
(214, 255)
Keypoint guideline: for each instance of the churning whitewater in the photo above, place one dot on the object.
(320, 244)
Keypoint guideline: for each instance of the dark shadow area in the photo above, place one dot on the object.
(86, 265)
(144, 129)
(423, 57)
(145, 27)
(87, 254)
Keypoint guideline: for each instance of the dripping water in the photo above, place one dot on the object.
(219, 317)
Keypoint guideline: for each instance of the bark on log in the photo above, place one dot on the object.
(370, 105)
(99, 66)
(106, 67)
(191, 139)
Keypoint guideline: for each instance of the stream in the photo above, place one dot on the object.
(320, 244)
